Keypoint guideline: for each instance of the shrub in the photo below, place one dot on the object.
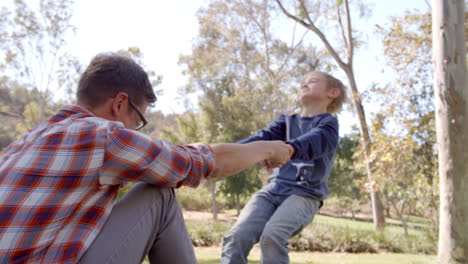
(207, 233)
(198, 199)
(325, 238)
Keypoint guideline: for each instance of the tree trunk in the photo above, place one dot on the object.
(399, 212)
(387, 207)
(377, 208)
(405, 223)
(238, 206)
(214, 203)
(353, 215)
(451, 98)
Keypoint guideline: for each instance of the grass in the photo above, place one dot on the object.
(211, 255)
(360, 225)
(318, 221)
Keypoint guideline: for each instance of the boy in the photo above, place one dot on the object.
(295, 191)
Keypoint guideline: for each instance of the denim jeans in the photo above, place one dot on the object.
(272, 220)
(147, 221)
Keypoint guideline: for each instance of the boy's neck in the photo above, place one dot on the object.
(313, 109)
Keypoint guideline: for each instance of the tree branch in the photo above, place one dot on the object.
(292, 48)
(350, 34)
(317, 31)
(265, 38)
(342, 31)
(9, 114)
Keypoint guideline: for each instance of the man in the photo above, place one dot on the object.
(59, 182)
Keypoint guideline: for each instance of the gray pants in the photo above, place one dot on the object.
(148, 221)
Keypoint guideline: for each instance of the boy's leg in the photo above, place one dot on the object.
(147, 221)
(238, 242)
(290, 218)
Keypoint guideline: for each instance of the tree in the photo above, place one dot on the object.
(451, 97)
(236, 44)
(32, 40)
(242, 72)
(19, 110)
(306, 14)
(398, 168)
(403, 127)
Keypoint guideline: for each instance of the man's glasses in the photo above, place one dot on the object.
(143, 121)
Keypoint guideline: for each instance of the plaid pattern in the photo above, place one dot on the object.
(58, 183)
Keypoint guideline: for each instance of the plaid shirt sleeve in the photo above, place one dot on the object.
(133, 156)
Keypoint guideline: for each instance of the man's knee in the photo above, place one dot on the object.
(144, 193)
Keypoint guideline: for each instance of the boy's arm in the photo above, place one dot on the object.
(233, 158)
(318, 141)
(275, 131)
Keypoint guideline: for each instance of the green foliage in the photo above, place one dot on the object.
(198, 199)
(20, 110)
(343, 181)
(207, 233)
(239, 186)
(124, 190)
(403, 129)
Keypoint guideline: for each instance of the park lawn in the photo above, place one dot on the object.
(211, 255)
(321, 220)
(361, 225)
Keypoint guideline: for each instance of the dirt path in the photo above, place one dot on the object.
(195, 215)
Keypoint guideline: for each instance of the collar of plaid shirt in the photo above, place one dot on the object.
(59, 181)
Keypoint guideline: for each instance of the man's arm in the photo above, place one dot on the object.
(233, 158)
(132, 156)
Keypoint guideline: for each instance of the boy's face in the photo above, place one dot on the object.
(314, 85)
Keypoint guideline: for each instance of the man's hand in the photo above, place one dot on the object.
(231, 158)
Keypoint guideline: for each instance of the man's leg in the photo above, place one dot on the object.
(238, 242)
(147, 221)
(290, 218)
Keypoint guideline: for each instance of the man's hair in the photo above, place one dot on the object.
(333, 82)
(109, 74)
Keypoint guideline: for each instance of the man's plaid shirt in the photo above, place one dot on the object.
(59, 182)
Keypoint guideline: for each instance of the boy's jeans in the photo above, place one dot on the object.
(272, 220)
(147, 221)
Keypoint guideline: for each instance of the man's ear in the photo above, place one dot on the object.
(333, 93)
(120, 104)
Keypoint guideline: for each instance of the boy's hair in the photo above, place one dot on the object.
(109, 74)
(333, 82)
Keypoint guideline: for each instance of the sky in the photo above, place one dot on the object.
(164, 30)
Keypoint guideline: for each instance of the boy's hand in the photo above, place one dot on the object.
(280, 154)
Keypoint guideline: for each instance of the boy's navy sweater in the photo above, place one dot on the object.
(315, 140)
